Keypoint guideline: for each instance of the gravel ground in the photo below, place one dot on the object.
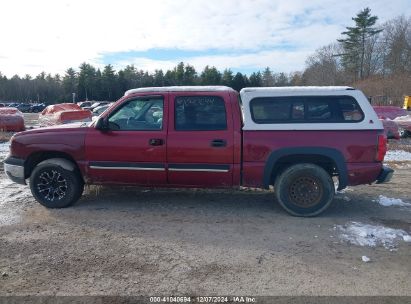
(128, 241)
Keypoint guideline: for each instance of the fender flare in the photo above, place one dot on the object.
(333, 154)
(64, 163)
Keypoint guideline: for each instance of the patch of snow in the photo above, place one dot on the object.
(369, 235)
(397, 155)
(405, 117)
(400, 165)
(13, 196)
(387, 201)
(365, 259)
(343, 197)
(343, 190)
(406, 238)
(4, 150)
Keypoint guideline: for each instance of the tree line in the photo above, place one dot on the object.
(374, 57)
(90, 83)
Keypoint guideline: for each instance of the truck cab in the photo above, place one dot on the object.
(168, 137)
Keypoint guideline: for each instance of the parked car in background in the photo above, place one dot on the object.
(84, 104)
(96, 104)
(24, 107)
(391, 128)
(11, 120)
(37, 107)
(2, 105)
(398, 115)
(63, 113)
(100, 109)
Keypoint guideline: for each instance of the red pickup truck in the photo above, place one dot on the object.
(294, 138)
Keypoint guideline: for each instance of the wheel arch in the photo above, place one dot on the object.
(329, 159)
(62, 159)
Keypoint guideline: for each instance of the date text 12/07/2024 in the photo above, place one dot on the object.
(203, 299)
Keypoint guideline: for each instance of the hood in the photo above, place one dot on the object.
(68, 139)
(76, 126)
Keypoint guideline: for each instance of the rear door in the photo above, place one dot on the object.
(133, 151)
(200, 144)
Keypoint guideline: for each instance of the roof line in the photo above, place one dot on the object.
(179, 89)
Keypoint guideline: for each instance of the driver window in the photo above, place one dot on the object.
(139, 115)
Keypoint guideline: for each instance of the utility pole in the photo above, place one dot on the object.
(74, 97)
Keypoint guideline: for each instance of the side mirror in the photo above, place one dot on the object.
(102, 124)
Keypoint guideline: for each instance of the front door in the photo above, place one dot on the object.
(200, 143)
(133, 150)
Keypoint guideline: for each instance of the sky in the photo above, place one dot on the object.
(246, 36)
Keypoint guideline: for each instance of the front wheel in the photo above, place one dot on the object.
(304, 190)
(55, 187)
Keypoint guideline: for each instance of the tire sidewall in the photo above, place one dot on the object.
(74, 186)
(285, 179)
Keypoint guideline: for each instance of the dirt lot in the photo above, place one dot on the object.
(126, 241)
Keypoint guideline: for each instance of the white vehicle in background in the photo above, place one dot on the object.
(100, 109)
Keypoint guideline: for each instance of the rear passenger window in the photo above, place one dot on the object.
(200, 113)
(305, 109)
(350, 110)
(318, 110)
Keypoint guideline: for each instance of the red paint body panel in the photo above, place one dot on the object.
(128, 147)
(245, 154)
(253, 174)
(363, 173)
(356, 147)
(68, 139)
(194, 147)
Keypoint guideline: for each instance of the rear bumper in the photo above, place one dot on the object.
(14, 169)
(385, 175)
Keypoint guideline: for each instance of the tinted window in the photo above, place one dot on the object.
(200, 113)
(318, 110)
(305, 109)
(139, 114)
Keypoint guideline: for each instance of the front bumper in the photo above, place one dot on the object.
(385, 175)
(14, 169)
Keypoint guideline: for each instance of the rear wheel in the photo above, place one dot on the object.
(304, 190)
(55, 187)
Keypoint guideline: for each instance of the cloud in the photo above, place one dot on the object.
(279, 61)
(54, 35)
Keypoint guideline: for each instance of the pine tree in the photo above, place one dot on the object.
(210, 76)
(256, 79)
(239, 81)
(86, 81)
(355, 43)
(267, 78)
(227, 78)
(108, 82)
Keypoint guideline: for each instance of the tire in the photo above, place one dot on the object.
(293, 186)
(67, 186)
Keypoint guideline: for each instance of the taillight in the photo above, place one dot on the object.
(381, 148)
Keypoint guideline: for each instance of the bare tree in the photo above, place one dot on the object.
(397, 40)
(323, 67)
